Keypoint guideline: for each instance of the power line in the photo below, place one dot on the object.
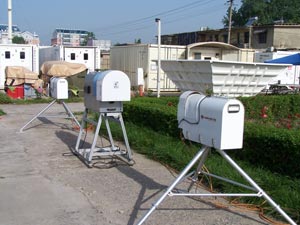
(133, 22)
(131, 25)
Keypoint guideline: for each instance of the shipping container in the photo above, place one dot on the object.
(18, 55)
(129, 58)
(87, 55)
(290, 75)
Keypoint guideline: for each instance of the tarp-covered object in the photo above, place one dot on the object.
(61, 68)
(16, 75)
(290, 59)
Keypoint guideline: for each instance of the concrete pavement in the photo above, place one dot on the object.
(42, 182)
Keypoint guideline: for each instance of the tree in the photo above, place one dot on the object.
(89, 36)
(267, 11)
(137, 41)
(235, 17)
(18, 40)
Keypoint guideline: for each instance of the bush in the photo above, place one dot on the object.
(4, 99)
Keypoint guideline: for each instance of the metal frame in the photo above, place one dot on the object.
(87, 154)
(67, 109)
(201, 157)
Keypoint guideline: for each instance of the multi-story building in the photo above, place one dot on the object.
(68, 37)
(277, 36)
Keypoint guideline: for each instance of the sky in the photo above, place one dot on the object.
(120, 21)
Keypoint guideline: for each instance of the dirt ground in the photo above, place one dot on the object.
(42, 182)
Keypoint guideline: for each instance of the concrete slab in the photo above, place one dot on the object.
(42, 182)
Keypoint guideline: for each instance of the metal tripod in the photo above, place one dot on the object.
(67, 109)
(86, 155)
(201, 157)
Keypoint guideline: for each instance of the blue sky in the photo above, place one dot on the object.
(119, 21)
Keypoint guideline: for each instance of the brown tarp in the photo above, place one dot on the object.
(16, 75)
(61, 68)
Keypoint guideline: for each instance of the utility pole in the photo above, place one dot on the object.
(157, 20)
(230, 18)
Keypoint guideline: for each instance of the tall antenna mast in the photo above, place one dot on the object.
(9, 8)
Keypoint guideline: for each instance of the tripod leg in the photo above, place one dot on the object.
(69, 112)
(243, 174)
(83, 122)
(37, 115)
(199, 168)
(129, 154)
(172, 186)
(111, 140)
(90, 155)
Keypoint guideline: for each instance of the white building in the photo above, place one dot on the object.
(30, 38)
(102, 44)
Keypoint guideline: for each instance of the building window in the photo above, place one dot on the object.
(202, 38)
(225, 38)
(216, 37)
(7, 55)
(85, 56)
(262, 37)
(246, 37)
(197, 55)
(22, 55)
(72, 56)
(238, 37)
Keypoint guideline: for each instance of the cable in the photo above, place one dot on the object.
(138, 21)
(169, 16)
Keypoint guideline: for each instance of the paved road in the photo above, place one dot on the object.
(42, 182)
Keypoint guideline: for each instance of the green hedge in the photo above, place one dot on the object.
(157, 114)
(274, 148)
(265, 145)
(279, 107)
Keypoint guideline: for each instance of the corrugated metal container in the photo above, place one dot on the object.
(131, 57)
(18, 55)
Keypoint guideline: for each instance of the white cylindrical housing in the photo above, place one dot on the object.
(59, 88)
(216, 122)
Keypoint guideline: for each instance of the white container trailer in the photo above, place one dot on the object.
(18, 55)
(288, 76)
(87, 55)
(129, 58)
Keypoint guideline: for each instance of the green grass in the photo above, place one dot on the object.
(2, 112)
(177, 154)
(4, 99)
